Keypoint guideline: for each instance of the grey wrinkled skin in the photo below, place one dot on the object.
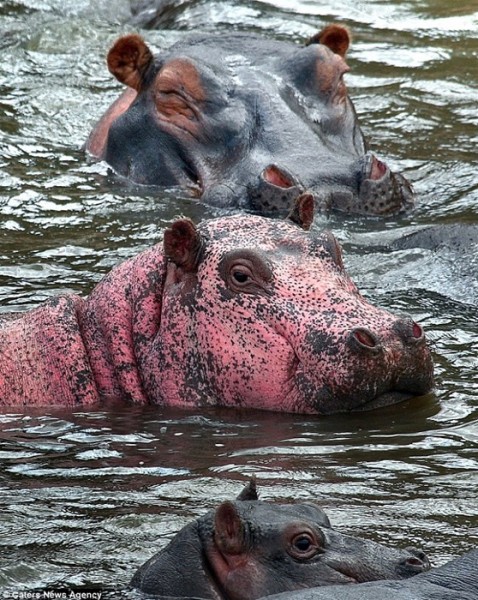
(460, 237)
(274, 120)
(457, 580)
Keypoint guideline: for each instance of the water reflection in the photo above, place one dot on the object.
(85, 497)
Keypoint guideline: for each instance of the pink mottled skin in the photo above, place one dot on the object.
(240, 311)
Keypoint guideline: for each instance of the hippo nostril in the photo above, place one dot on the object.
(417, 331)
(414, 562)
(373, 168)
(363, 339)
(278, 177)
(378, 169)
(409, 331)
(417, 562)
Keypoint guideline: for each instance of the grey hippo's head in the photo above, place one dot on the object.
(246, 122)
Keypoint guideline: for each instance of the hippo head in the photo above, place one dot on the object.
(259, 313)
(248, 122)
(247, 549)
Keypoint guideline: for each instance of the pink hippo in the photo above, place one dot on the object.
(240, 311)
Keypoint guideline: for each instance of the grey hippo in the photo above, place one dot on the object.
(246, 122)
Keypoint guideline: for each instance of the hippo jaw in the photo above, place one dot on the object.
(387, 399)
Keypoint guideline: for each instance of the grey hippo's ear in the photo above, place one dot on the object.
(302, 214)
(129, 59)
(335, 37)
(250, 491)
(183, 244)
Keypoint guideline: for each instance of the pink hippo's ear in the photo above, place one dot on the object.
(336, 37)
(183, 244)
(129, 59)
(302, 214)
(228, 529)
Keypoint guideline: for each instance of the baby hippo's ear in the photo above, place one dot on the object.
(129, 59)
(229, 530)
(183, 245)
(249, 492)
(335, 37)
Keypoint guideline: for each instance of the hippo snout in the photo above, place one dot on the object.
(362, 339)
(378, 360)
(382, 192)
(367, 186)
(415, 562)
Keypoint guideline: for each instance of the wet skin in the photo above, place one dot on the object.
(248, 548)
(209, 318)
(246, 122)
(456, 580)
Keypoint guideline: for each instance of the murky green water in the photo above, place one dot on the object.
(85, 497)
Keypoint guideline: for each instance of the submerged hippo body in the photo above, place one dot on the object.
(245, 122)
(211, 319)
(457, 580)
(245, 549)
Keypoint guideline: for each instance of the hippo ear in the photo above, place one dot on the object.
(302, 213)
(250, 491)
(183, 244)
(228, 529)
(129, 59)
(336, 37)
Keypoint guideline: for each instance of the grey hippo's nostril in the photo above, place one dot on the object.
(363, 339)
(417, 562)
(278, 177)
(409, 331)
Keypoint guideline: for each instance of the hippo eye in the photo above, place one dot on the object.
(302, 543)
(240, 276)
(304, 546)
(246, 271)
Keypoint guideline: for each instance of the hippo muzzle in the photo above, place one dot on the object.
(375, 368)
(367, 187)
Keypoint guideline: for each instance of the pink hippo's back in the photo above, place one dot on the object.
(44, 360)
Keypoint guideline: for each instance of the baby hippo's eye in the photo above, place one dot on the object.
(302, 543)
(305, 545)
(246, 271)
